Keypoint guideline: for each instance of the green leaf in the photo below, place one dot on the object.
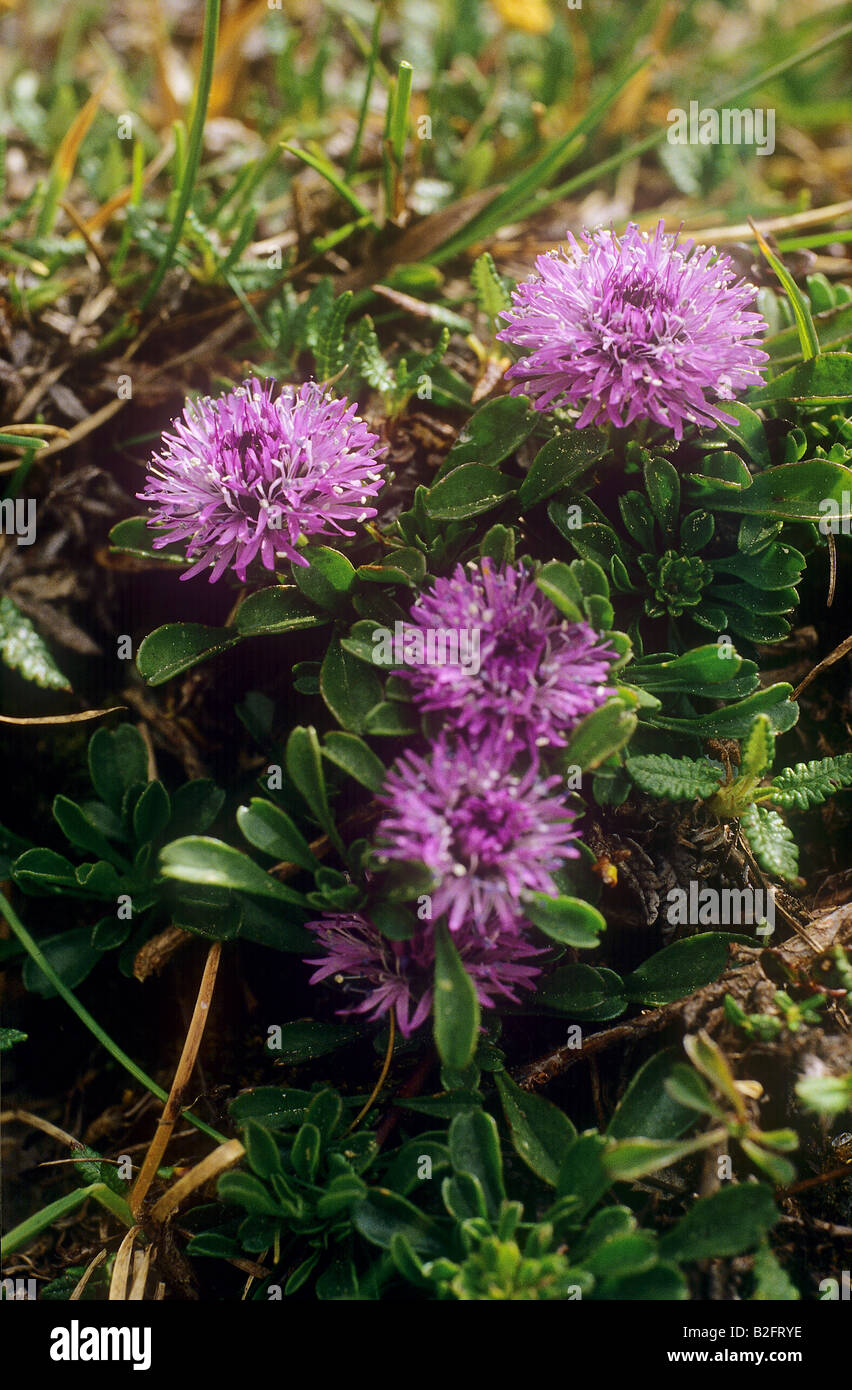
(491, 434)
(710, 1060)
(540, 1132)
(383, 1214)
(809, 784)
(583, 992)
(43, 870)
(349, 687)
(758, 749)
(771, 1282)
(492, 295)
(469, 490)
(261, 1150)
(599, 735)
(9, 1037)
(280, 608)
(827, 1095)
(195, 806)
(560, 462)
(647, 1108)
(134, 536)
(662, 482)
(749, 431)
(798, 303)
(24, 651)
(152, 813)
(824, 380)
(328, 578)
(629, 1159)
(475, 1150)
(270, 829)
(583, 1175)
(456, 1005)
(792, 491)
(304, 767)
(305, 1152)
(735, 720)
(244, 1190)
(118, 759)
(352, 755)
(72, 956)
(682, 968)
(82, 832)
(678, 779)
(177, 647)
(570, 921)
(734, 1219)
(271, 1106)
(688, 674)
(560, 584)
(199, 859)
(772, 842)
(306, 1039)
(664, 1282)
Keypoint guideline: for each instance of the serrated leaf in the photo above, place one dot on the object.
(809, 784)
(678, 779)
(23, 650)
(772, 842)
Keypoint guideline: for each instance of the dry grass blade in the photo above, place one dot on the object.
(836, 655)
(64, 718)
(141, 1264)
(188, 1056)
(77, 1292)
(121, 1268)
(210, 1167)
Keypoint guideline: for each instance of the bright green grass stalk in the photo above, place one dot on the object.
(40, 1220)
(32, 949)
(193, 152)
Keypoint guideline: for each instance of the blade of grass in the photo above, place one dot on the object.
(212, 13)
(515, 196)
(801, 312)
(32, 949)
(330, 174)
(41, 1220)
(66, 158)
(375, 39)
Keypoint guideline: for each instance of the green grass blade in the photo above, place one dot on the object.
(801, 310)
(63, 1206)
(193, 152)
(330, 174)
(32, 949)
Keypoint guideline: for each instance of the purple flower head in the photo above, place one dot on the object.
(632, 328)
(245, 475)
(487, 834)
(398, 974)
(535, 676)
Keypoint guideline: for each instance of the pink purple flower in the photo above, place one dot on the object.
(635, 327)
(487, 834)
(398, 974)
(245, 475)
(536, 675)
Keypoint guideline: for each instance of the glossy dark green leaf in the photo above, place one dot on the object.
(734, 1219)
(475, 1149)
(308, 1038)
(199, 859)
(270, 829)
(823, 380)
(280, 608)
(118, 758)
(72, 956)
(177, 647)
(350, 688)
(353, 756)
(328, 578)
(570, 921)
(491, 434)
(304, 767)
(560, 462)
(647, 1108)
(456, 1005)
(468, 491)
(681, 968)
(540, 1132)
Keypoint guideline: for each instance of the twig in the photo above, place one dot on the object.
(845, 646)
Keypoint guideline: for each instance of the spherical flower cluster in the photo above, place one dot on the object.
(536, 675)
(387, 974)
(485, 832)
(246, 475)
(637, 327)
